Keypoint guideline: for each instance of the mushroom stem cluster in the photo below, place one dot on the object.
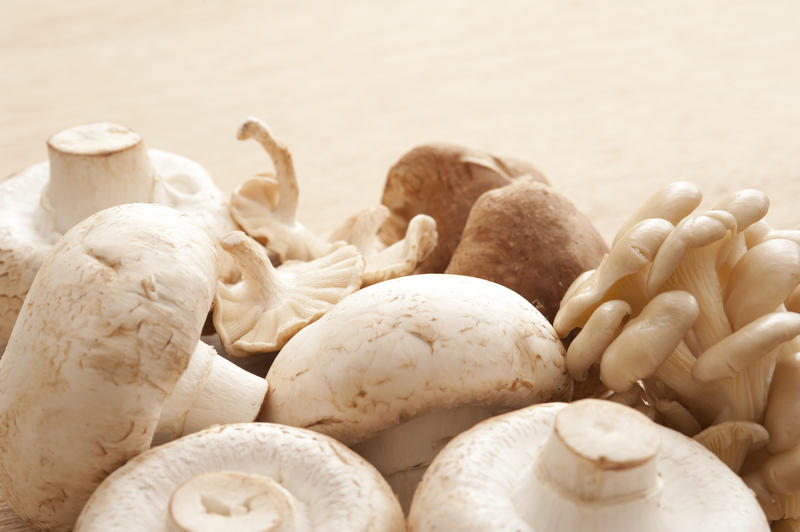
(691, 306)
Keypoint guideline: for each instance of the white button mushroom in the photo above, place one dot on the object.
(91, 167)
(398, 368)
(110, 325)
(585, 467)
(250, 477)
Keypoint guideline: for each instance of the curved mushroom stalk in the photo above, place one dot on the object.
(262, 214)
(268, 306)
(674, 415)
(733, 441)
(777, 485)
(212, 391)
(583, 467)
(617, 277)
(247, 477)
(105, 334)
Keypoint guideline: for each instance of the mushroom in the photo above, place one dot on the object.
(672, 203)
(443, 181)
(782, 414)
(247, 477)
(732, 441)
(268, 306)
(786, 525)
(102, 341)
(398, 368)
(530, 238)
(776, 484)
(91, 167)
(11, 522)
(584, 467)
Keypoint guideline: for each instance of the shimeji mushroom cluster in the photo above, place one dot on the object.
(115, 415)
(691, 317)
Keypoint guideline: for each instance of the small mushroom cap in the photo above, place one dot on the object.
(105, 333)
(287, 476)
(530, 238)
(402, 348)
(443, 181)
(732, 441)
(484, 478)
(587, 348)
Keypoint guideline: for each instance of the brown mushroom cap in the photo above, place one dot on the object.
(528, 237)
(443, 181)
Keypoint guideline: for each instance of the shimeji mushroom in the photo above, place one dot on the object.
(400, 367)
(584, 467)
(530, 238)
(443, 181)
(96, 362)
(91, 167)
(249, 477)
(269, 305)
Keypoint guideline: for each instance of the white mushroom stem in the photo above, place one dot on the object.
(232, 500)
(403, 452)
(212, 391)
(93, 167)
(677, 417)
(600, 454)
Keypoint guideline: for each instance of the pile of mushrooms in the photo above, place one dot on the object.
(686, 318)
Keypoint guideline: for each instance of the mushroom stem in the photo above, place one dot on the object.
(403, 453)
(232, 500)
(252, 260)
(676, 373)
(288, 191)
(212, 391)
(93, 167)
(783, 405)
(599, 453)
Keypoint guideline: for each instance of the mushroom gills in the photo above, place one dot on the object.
(403, 453)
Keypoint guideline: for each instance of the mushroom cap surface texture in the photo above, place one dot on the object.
(528, 237)
(108, 327)
(443, 181)
(318, 482)
(28, 231)
(405, 347)
(490, 477)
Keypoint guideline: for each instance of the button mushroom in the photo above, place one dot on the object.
(90, 167)
(530, 238)
(398, 368)
(443, 181)
(248, 477)
(94, 364)
(585, 467)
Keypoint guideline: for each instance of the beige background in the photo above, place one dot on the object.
(609, 99)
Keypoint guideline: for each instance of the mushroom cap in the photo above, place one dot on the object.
(476, 482)
(330, 486)
(28, 233)
(405, 347)
(732, 441)
(105, 333)
(443, 181)
(528, 237)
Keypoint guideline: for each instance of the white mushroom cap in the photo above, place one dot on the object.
(250, 477)
(106, 332)
(91, 167)
(400, 350)
(589, 466)
(268, 306)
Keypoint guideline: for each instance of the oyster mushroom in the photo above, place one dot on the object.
(91, 167)
(247, 477)
(103, 339)
(672, 203)
(268, 306)
(443, 181)
(783, 404)
(11, 522)
(584, 467)
(732, 441)
(530, 238)
(400, 367)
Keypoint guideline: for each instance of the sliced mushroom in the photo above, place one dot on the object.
(443, 181)
(398, 368)
(107, 331)
(584, 467)
(248, 477)
(269, 305)
(530, 238)
(91, 167)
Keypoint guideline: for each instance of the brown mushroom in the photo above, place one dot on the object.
(443, 181)
(528, 237)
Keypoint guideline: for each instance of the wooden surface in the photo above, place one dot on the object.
(609, 99)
